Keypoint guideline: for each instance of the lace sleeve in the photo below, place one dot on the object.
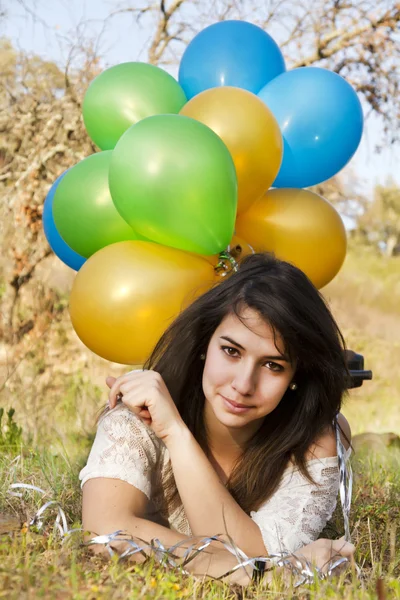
(299, 510)
(124, 448)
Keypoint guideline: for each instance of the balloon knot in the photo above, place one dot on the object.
(226, 263)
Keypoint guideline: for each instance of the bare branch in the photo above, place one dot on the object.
(389, 19)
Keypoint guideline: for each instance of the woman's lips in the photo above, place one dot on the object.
(234, 406)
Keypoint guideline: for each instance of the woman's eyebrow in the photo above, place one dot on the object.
(272, 357)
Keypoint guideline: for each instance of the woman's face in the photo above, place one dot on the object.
(246, 372)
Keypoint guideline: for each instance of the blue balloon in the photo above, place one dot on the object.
(234, 53)
(321, 121)
(60, 248)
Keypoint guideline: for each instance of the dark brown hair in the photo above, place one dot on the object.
(286, 299)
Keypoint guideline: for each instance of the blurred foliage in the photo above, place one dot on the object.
(379, 225)
(10, 433)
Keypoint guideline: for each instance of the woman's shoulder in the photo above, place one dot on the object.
(123, 425)
(124, 448)
(325, 446)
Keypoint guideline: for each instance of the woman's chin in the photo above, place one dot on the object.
(227, 416)
(232, 420)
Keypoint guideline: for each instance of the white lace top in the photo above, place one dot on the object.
(125, 448)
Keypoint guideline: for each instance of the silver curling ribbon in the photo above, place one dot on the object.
(345, 482)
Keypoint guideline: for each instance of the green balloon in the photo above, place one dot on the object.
(83, 210)
(125, 94)
(173, 180)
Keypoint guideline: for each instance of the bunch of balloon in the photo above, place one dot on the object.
(321, 120)
(140, 215)
(184, 173)
(221, 71)
(309, 132)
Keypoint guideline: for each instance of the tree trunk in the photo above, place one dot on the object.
(391, 244)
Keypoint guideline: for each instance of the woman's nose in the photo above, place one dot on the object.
(244, 381)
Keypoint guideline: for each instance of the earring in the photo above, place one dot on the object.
(202, 357)
(293, 386)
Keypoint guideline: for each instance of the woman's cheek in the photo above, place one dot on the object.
(214, 369)
(271, 393)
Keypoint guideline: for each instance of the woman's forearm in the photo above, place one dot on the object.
(214, 561)
(208, 505)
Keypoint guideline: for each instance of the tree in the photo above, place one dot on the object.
(380, 223)
(42, 134)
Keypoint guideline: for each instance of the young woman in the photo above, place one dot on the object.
(230, 427)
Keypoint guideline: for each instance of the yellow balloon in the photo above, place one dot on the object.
(300, 227)
(126, 294)
(249, 130)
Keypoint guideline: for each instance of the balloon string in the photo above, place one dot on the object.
(226, 263)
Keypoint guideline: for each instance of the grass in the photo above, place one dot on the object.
(36, 565)
(57, 391)
(365, 299)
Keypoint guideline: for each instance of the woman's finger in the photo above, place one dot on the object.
(135, 401)
(132, 404)
(130, 385)
(343, 548)
(115, 393)
(133, 376)
(139, 388)
(144, 414)
(110, 381)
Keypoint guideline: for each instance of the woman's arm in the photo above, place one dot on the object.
(117, 486)
(325, 446)
(208, 505)
(110, 505)
(345, 433)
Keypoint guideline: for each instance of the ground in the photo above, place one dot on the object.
(57, 391)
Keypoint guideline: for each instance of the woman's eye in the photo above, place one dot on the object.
(274, 366)
(234, 352)
(230, 351)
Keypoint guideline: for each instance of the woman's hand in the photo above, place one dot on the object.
(145, 394)
(322, 551)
